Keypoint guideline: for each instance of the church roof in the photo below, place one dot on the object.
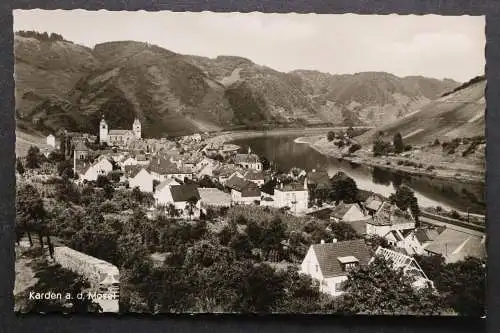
(119, 132)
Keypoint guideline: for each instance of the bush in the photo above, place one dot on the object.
(431, 167)
(330, 136)
(408, 147)
(354, 148)
(455, 215)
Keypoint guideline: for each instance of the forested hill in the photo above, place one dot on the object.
(60, 84)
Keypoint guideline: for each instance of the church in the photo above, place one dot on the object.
(117, 137)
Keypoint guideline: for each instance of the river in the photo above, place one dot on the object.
(285, 154)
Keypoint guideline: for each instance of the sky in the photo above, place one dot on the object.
(429, 45)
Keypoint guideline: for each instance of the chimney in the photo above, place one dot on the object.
(322, 241)
(334, 240)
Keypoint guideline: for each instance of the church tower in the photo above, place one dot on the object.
(136, 128)
(103, 131)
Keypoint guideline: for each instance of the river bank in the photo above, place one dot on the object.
(445, 171)
(224, 137)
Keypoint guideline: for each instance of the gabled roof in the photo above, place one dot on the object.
(164, 166)
(226, 170)
(425, 235)
(246, 158)
(389, 214)
(166, 183)
(235, 182)
(358, 226)
(253, 175)
(120, 132)
(341, 209)
(214, 197)
(184, 192)
(132, 170)
(456, 244)
(327, 255)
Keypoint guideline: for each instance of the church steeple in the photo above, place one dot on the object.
(137, 128)
(103, 130)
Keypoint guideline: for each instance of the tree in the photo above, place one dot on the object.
(102, 181)
(136, 195)
(172, 211)
(65, 169)
(380, 289)
(343, 231)
(330, 136)
(33, 159)
(19, 166)
(30, 212)
(405, 198)
(381, 147)
(354, 148)
(265, 163)
(398, 143)
(191, 205)
(344, 188)
(462, 284)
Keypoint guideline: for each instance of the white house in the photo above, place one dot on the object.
(100, 168)
(141, 178)
(51, 140)
(293, 195)
(389, 218)
(181, 197)
(347, 213)
(330, 263)
(162, 168)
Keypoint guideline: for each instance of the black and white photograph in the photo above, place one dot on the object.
(202, 162)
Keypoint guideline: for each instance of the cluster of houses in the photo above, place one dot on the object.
(330, 264)
(169, 176)
(377, 217)
(173, 174)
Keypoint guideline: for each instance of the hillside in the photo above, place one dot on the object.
(370, 97)
(64, 85)
(455, 115)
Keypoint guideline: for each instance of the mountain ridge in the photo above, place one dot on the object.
(60, 84)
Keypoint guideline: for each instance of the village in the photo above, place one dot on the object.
(195, 178)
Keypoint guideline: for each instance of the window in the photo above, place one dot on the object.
(317, 268)
(349, 266)
(338, 286)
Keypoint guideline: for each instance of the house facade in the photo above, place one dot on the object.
(389, 218)
(100, 168)
(293, 195)
(141, 179)
(330, 263)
